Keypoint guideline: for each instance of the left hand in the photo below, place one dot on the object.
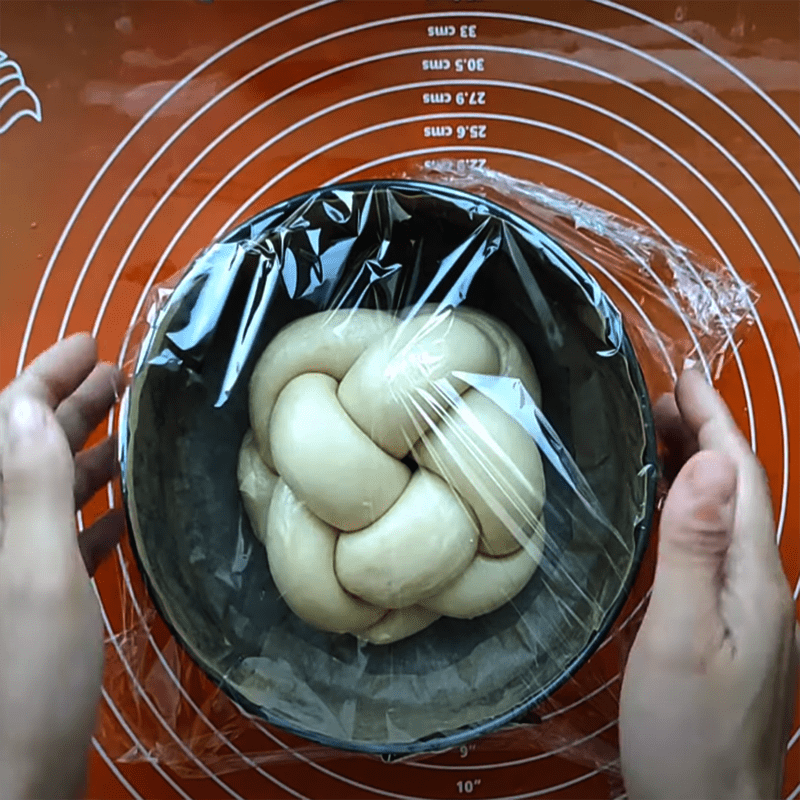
(51, 643)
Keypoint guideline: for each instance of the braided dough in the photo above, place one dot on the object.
(340, 403)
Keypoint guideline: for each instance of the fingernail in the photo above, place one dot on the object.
(691, 365)
(27, 419)
(120, 383)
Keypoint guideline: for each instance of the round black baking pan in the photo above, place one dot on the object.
(386, 245)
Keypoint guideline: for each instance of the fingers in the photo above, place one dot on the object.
(696, 528)
(38, 507)
(707, 415)
(67, 378)
(98, 540)
(678, 441)
(83, 410)
(57, 372)
(94, 468)
(756, 590)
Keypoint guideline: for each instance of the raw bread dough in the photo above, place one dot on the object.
(425, 541)
(356, 543)
(327, 460)
(328, 342)
(397, 624)
(300, 549)
(486, 584)
(489, 459)
(384, 392)
(256, 483)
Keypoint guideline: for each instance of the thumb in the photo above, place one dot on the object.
(696, 527)
(39, 538)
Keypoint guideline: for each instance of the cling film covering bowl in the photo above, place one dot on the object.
(393, 246)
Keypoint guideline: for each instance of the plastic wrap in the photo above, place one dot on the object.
(493, 338)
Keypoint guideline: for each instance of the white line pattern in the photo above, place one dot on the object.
(300, 162)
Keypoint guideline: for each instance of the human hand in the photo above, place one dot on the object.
(51, 644)
(709, 687)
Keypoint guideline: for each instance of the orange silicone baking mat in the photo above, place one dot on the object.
(132, 134)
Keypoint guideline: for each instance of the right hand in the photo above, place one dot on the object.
(710, 684)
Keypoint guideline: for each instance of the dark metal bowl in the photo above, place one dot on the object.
(381, 245)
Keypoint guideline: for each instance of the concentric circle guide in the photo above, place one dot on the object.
(383, 137)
